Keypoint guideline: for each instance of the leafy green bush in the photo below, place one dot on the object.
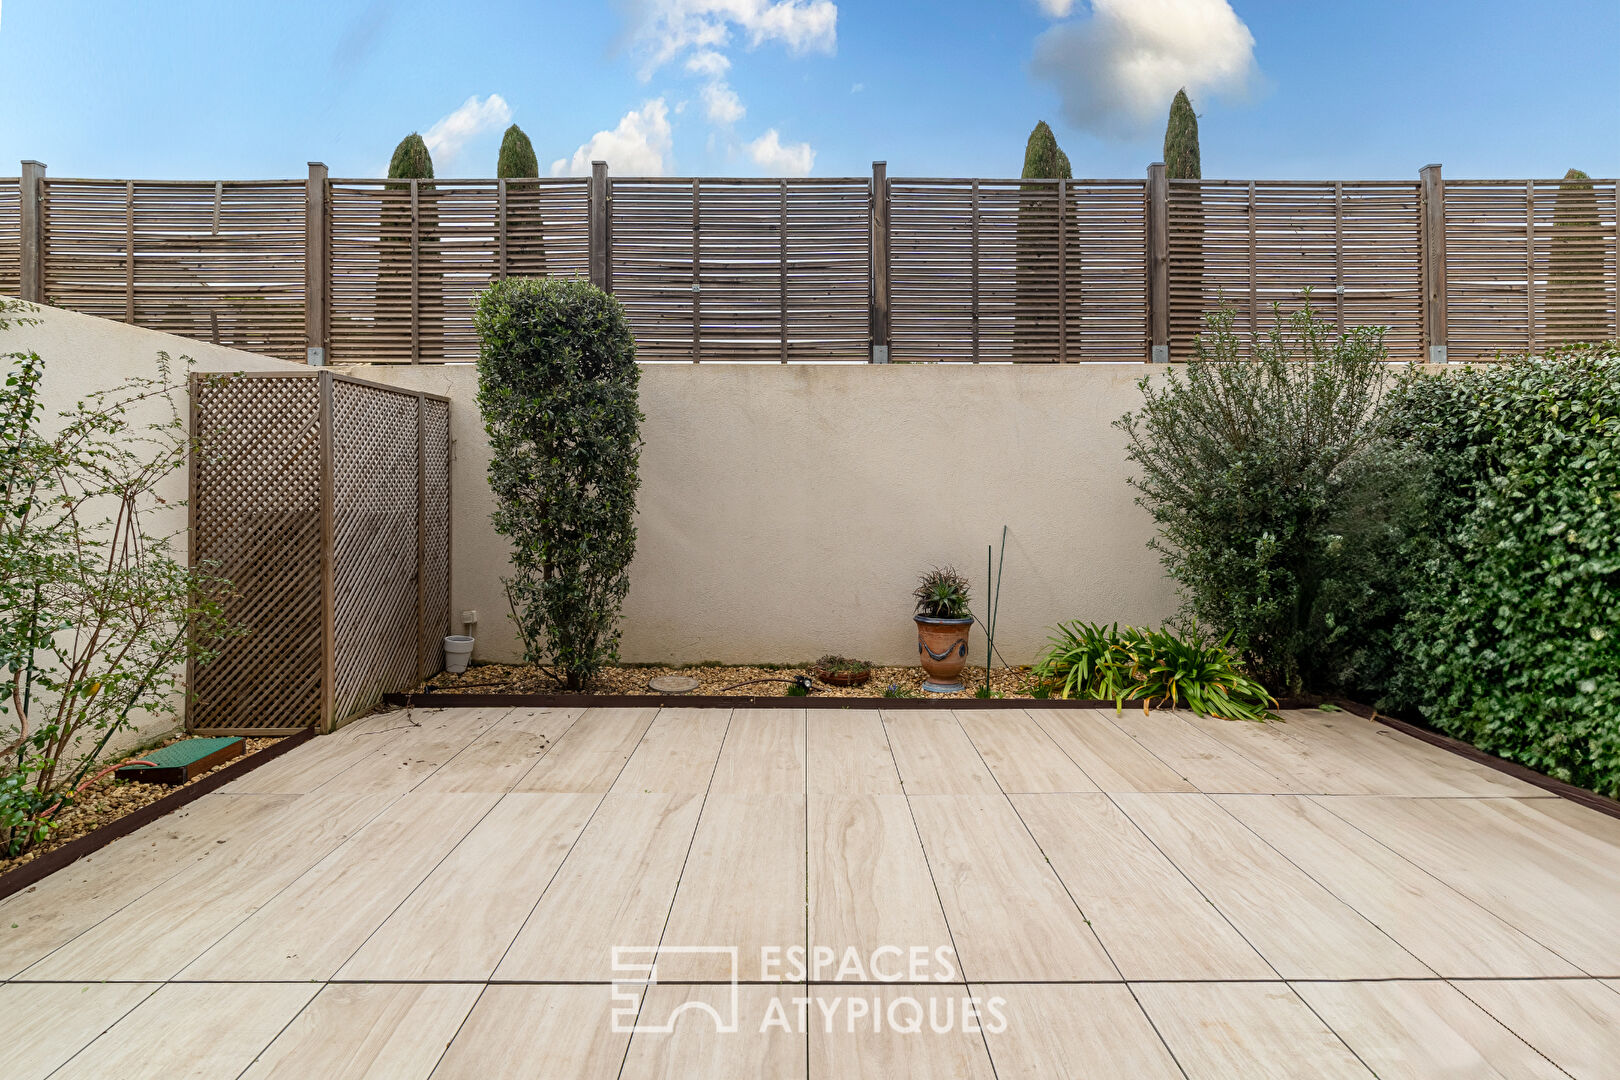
(1090, 661)
(1263, 470)
(98, 613)
(557, 382)
(516, 158)
(1513, 638)
(411, 160)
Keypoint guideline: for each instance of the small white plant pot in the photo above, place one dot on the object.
(457, 651)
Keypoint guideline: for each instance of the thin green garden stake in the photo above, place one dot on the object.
(995, 606)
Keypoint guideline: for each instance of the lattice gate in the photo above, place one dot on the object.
(324, 500)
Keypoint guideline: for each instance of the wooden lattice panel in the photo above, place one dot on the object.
(256, 515)
(375, 531)
(1356, 245)
(1039, 270)
(408, 257)
(220, 261)
(743, 269)
(10, 236)
(1529, 263)
(435, 532)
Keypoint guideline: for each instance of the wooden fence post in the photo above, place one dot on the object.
(1433, 225)
(880, 262)
(598, 226)
(31, 194)
(317, 265)
(1158, 263)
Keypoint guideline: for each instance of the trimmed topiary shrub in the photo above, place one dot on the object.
(1043, 158)
(517, 156)
(557, 382)
(1513, 637)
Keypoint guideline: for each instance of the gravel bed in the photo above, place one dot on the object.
(721, 680)
(110, 799)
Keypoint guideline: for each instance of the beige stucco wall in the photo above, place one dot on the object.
(83, 354)
(785, 511)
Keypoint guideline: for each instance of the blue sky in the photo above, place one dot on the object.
(1284, 88)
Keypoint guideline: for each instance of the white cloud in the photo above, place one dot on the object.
(446, 138)
(708, 63)
(639, 146)
(857, 88)
(775, 159)
(668, 28)
(1057, 9)
(1117, 71)
(722, 104)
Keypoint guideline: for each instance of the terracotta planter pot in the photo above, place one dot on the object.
(942, 648)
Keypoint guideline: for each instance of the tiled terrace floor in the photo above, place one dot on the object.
(1147, 896)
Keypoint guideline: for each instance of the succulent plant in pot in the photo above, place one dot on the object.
(843, 671)
(943, 621)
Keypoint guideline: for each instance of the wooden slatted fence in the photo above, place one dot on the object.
(220, 261)
(743, 269)
(1038, 270)
(409, 256)
(1529, 263)
(385, 271)
(1250, 244)
(324, 500)
(10, 236)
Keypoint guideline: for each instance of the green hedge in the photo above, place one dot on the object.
(1512, 637)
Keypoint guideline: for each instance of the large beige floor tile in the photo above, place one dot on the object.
(1110, 758)
(591, 754)
(156, 936)
(368, 1032)
(1393, 762)
(42, 1025)
(35, 922)
(613, 891)
(191, 1031)
(537, 1033)
(763, 754)
(504, 753)
(459, 922)
(848, 754)
(1246, 1031)
(1075, 1032)
(677, 755)
(1423, 1031)
(1150, 918)
(315, 924)
(870, 888)
(846, 1042)
(1446, 930)
(1210, 764)
(413, 755)
(742, 886)
(305, 768)
(769, 1041)
(1007, 911)
(1297, 925)
(935, 755)
(1575, 1023)
(1020, 754)
(1560, 887)
(1572, 815)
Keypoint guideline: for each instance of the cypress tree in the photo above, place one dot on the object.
(1181, 160)
(1035, 330)
(517, 156)
(1576, 307)
(525, 234)
(1043, 158)
(411, 160)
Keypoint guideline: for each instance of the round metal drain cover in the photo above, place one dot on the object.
(672, 684)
